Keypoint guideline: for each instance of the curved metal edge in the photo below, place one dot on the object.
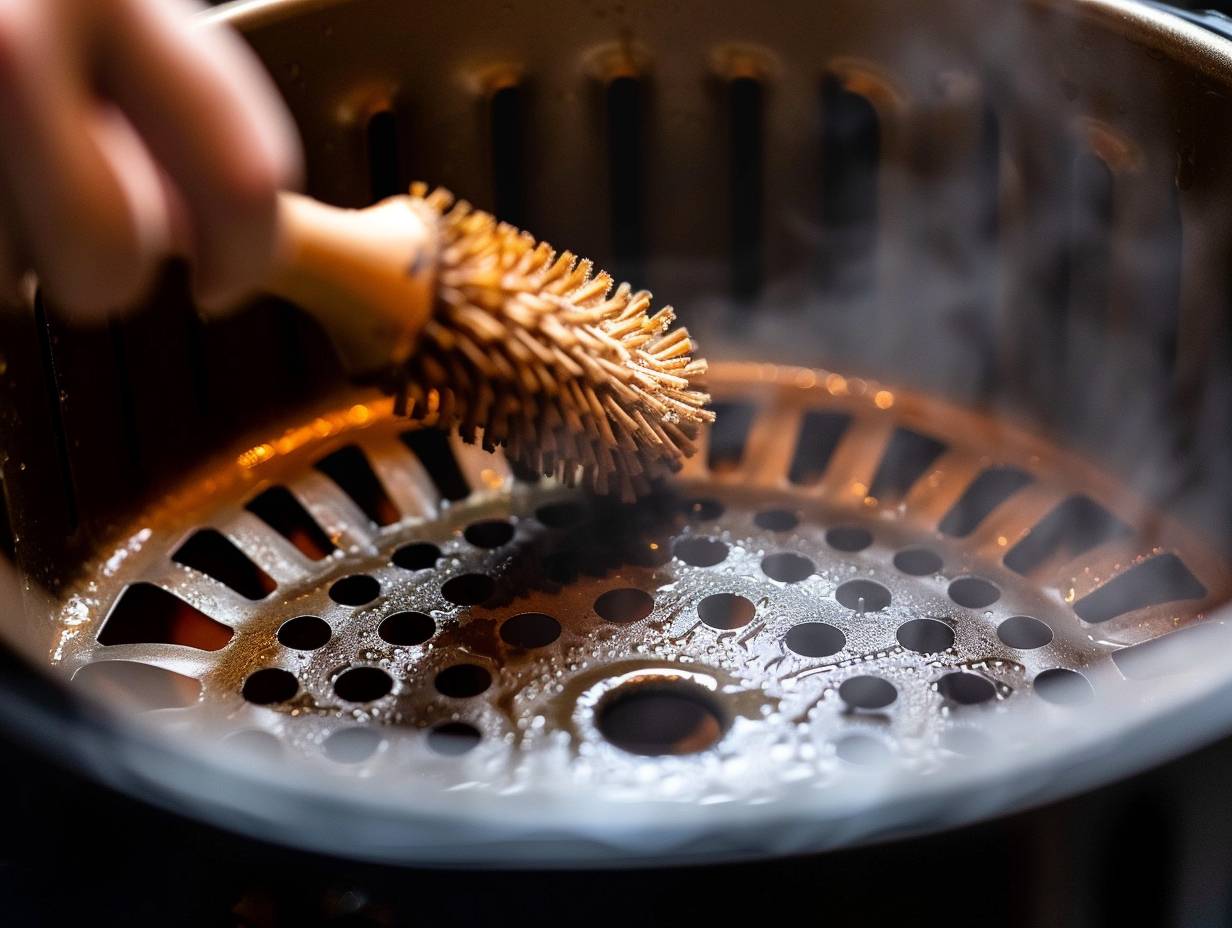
(252, 14)
(1193, 37)
(308, 816)
(1212, 20)
(1162, 28)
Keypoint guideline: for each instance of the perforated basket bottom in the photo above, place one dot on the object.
(843, 578)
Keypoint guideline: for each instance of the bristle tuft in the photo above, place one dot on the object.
(545, 357)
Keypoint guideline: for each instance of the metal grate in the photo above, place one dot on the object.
(739, 620)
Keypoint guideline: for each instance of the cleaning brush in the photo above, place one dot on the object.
(473, 325)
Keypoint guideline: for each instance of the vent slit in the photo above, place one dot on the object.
(1087, 313)
(349, 468)
(431, 446)
(850, 152)
(1162, 579)
(728, 435)
(908, 454)
(508, 144)
(989, 171)
(625, 144)
(988, 491)
(382, 139)
(215, 555)
(278, 508)
(147, 614)
(820, 433)
(745, 101)
(1074, 527)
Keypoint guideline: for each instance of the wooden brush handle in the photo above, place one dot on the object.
(367, 275)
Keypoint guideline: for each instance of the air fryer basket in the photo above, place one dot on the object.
(957, 544)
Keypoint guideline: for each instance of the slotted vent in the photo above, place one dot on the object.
(146, 614)
(213, 554)
(286, 515)
(907, 456)
(988, 491)
(349, 468)
(432, 449)
(820, 433)
(804, 610)
(729, 434)
(1162, 579)
(1074, 527)
(850, 157)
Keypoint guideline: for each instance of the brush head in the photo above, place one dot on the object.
(531, 351)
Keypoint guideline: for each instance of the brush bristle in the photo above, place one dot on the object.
(531, 351)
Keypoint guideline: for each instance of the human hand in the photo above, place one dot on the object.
(130, 132)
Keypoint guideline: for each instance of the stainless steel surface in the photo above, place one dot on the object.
(1002, 212)
(787, 627)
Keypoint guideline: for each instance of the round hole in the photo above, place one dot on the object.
(490, 534)
(925, 636)
(627, 604)
(863, 751)
(352, 745)
(468, 589)
(530, 630)
(453, 739)
(461, 681)
(867, 692)
(1063, 687)
(814, 639)
(363, 684)
(407, 628)
(966, 689)
(356, 590)
(863, 595)
(255, 743)
(787, 567)
(701, 552)
(561, 515)
(703, 510)
(270, 685)
(725, 611)
(973, 592)
(776, 520)
(965, 741)
(1024, 633)
(657, 719)
(419, 555)
(304, 633)
(918, 562)
(849, 538)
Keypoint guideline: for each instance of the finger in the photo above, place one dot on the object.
(215, 123)
(74, 212)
